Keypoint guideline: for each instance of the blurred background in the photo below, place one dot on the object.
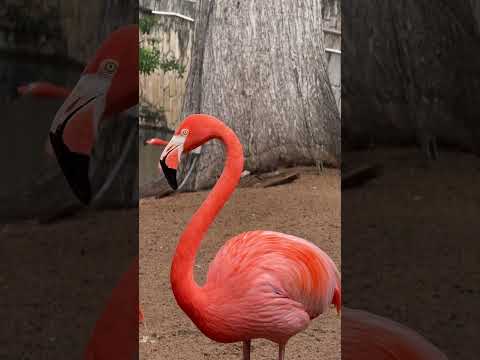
(411, 166)
(59, 260)
(52, 41)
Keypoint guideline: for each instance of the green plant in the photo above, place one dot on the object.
(150, 57)
(171, 64)
(149, 60)
(146, 24)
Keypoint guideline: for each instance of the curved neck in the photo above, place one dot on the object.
(188, 294)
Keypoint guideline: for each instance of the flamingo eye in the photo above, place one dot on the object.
(109, 67)
(184, 132)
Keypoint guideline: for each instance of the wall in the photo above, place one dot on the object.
(164, 93)
(331, 12)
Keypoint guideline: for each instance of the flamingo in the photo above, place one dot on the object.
(109, 85)
(366, 336)
(261, 284)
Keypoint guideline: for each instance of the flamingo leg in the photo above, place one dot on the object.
(246, 349)
(281, 351)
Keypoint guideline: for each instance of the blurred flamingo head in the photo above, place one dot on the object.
(114, 68)
(108, 85)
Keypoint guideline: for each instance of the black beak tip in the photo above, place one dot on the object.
(170, 175)
(75, 168)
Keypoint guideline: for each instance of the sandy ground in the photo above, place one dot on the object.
(309, 208)
(55, 280)
(410, 245)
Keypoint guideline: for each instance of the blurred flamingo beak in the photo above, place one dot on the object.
(74, 129)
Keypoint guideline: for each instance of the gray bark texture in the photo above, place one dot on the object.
(259, 66)
(400, 55)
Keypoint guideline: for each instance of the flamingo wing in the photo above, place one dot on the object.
(268, 284)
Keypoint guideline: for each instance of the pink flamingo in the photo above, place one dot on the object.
(366, 336)
(261, 284)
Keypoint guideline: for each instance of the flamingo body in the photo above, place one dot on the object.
(265, 284)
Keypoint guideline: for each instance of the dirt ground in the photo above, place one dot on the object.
(308, 207)
(55, 280)
(410, 245)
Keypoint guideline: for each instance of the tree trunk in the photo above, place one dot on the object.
(260, 67)
(393, 53)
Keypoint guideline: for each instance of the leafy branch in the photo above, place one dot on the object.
(151, 58)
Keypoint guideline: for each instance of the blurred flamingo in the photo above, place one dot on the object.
(109, 85)
(115, 335)
(366, 336)
(261, 284)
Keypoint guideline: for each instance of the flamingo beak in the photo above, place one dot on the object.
(74, 130)
(170, 159)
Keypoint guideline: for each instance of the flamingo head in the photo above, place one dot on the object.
(193, 131)
(108, 85)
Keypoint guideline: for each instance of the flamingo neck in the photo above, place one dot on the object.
(189, 295)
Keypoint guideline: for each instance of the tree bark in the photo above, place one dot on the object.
(395, 53)
(260, 68)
